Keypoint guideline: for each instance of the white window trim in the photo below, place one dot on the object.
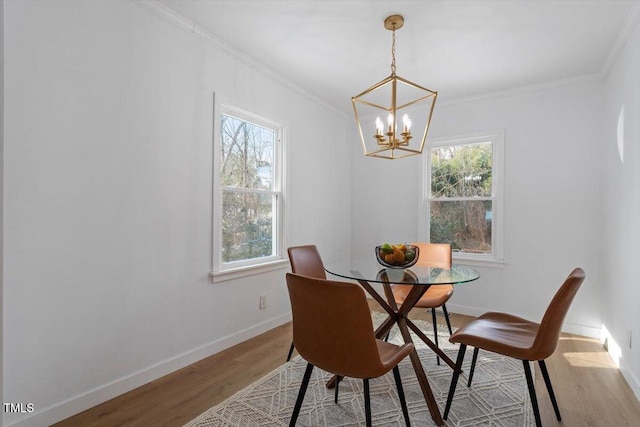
(236, 273)
(496, 259)
(227, 271)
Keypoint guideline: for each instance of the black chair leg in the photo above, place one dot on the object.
(473, 365)
(547, 381)
(301, 393)
(338, 379)
(403, 401)
(435, 331)
(446, 317)
(290, 352)
(532, 392)
(454, 379)
(367, 403)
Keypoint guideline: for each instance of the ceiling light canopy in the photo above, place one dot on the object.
(406, 109)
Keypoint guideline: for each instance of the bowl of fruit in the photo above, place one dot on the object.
(397, 256)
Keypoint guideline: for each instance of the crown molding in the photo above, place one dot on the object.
(173, 17)
(623, 36)
(522, 90)
(181, 22)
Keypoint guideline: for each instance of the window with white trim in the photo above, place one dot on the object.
(463, 188)
(248, 199)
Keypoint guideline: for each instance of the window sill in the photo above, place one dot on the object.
(478, 262)
(250, 270)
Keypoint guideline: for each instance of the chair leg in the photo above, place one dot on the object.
(367, 402)
(403, 401)
(473, 365)
(338, 379)
(435, 331)
(290, 351)
(301, 393)
(547, 381)
(454, 379)
(532, 392)
(446, 317)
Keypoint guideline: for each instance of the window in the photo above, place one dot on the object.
(463, 195)
(248, 223)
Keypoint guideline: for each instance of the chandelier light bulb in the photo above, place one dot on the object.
(406, 122)
(379, 126)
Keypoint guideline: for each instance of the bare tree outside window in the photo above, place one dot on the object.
(250, 196)
(461, 200)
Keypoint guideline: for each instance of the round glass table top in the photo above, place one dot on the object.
(372, 271)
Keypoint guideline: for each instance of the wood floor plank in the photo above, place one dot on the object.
(589, 389)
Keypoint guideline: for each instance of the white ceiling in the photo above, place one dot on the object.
(336, 49)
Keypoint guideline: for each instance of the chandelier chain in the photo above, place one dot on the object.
(393, 51)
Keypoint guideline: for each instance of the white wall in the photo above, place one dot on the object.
(551, 203)
(621, 210)
(107, 200)
(108, 149)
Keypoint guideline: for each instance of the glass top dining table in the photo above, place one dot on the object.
(368, 271)
(372, 271)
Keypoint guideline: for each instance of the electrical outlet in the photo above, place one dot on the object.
(629, 337)
(263, 301)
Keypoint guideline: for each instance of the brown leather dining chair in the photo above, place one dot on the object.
(305, 260)
(333, 330)
(519, 338)
(435, 255)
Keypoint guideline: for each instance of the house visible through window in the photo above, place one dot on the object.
(464, 195)
(248, 217)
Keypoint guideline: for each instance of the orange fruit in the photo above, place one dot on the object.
(398, 255)
(390, 259)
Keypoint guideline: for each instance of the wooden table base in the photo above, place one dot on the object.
(399, 316)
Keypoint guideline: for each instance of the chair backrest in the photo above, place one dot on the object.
(551, 324)
(437, 255)
(306, 260)
(332, 327)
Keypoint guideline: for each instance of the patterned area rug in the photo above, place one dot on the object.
(497, 397)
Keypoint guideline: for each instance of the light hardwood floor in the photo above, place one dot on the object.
(589, 389)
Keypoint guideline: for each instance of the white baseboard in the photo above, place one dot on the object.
(101, 394)
(632, 380)
(585, 331)
(616, 353)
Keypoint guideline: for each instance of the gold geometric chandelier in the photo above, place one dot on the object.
(394, 97)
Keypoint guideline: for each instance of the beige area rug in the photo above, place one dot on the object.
(497, 397)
